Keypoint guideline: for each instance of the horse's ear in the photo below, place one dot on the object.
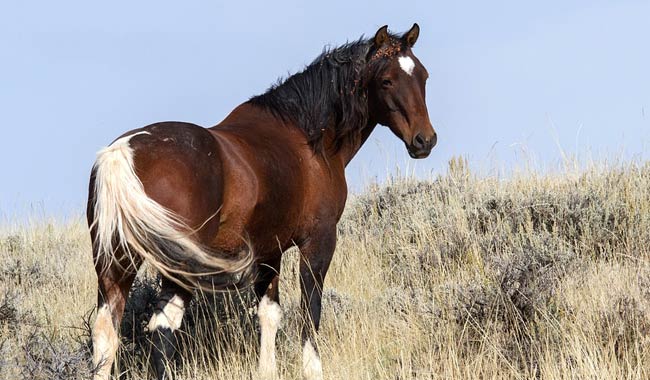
(412, 35)
(381, 37)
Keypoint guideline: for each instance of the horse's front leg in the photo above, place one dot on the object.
(315, 256)
(269, 314)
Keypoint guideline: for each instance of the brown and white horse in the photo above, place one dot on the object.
(225, 202)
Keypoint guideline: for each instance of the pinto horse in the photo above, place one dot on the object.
(225, 202)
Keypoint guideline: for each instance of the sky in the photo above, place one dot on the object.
(511, 82)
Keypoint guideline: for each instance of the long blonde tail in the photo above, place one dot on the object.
(126, 218)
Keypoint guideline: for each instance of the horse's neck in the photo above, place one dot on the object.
(248, 114)
(349, 148)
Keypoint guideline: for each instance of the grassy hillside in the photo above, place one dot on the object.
(465, 277)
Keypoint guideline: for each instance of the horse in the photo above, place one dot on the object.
(225, 202)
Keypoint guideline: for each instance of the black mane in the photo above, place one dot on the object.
(329, 93)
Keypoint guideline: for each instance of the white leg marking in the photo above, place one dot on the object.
(170, 317)
(312, 369)
(407, 64)
(269, 314)
(105, 343)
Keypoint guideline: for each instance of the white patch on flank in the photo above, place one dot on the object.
(170, 317)
(312, 369)
(269, 314)
(407, 64)
(105, 343)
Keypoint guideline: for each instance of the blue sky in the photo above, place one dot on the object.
(511, 82)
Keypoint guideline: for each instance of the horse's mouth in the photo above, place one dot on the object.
(418, 154)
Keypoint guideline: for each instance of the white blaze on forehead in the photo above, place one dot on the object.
(407, 64)
(170, 317)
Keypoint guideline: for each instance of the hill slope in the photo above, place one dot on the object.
(535, 276)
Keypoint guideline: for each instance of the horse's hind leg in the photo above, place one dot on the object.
(114, 281)
(166, 320)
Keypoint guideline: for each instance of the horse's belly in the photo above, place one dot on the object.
(268, 240)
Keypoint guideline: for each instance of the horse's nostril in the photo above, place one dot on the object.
(419, 141)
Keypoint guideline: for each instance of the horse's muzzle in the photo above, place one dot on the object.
(421, 147)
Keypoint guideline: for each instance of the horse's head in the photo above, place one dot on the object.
(396, 90)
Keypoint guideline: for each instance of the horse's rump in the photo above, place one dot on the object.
(127, 220)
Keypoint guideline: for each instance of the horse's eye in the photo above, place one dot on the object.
(386, 83)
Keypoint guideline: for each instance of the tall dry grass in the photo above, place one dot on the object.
(460, 277)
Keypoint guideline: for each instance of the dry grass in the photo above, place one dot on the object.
(460, 277)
